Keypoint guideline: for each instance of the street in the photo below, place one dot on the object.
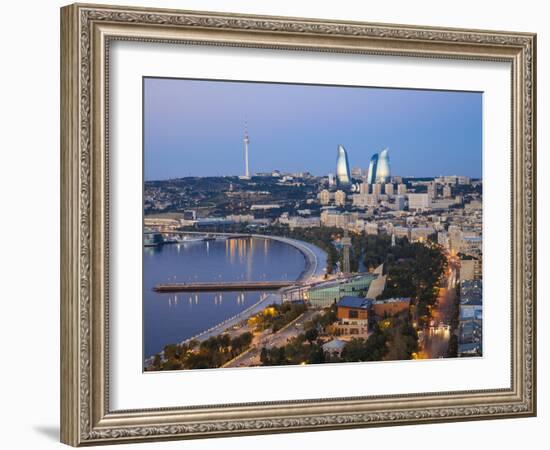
(268, 339)
(434, 341)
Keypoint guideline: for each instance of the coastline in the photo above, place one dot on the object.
(315, 257)
(315, 264)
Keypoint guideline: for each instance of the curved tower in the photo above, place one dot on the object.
(383, 169)
(371, 175)
(343, 176)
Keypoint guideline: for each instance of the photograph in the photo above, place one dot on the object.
(290, 220)
(297, 224)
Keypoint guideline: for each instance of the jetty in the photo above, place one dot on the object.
(217, 286)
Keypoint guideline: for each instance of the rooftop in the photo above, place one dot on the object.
(348, 280)
(355, 302)
(392, 300)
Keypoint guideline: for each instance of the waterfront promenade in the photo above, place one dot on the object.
(315, 267)
(316, 259)
(314, 270)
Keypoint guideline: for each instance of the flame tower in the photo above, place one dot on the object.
(343, 176)
(383, 169)
(379, 168)
(371, 175)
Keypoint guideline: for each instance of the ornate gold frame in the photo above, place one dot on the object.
(86, 31)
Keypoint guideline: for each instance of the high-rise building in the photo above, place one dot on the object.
(419, 201)
(432, 190)
(383, 169)
(388, 189)
(364, 200)
(340, 198)
(377, 189)
(364, 188)
(331, 218)
(401, 189)
(379, 168)
(343, 176)
(447, 191)
(470, 268)
(371, 174)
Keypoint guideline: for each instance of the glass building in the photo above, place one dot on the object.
(383, 168)
(343, 176)
(325, 294)
(371, 174)
(379, 168)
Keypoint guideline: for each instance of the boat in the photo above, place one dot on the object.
(209, 237)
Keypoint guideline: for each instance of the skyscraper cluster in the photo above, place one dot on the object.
(378, 172)
(379, 168)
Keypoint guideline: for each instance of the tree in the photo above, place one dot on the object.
(157, 362)
(372, 349)
(246, 338)
(198, 361)
(452, 351)
(311, 335)
(210, 345)
(355, 350)
(316, 355)
(264, 357)
(172, 351)
(172, 364)
(225, 340)
(280, 356)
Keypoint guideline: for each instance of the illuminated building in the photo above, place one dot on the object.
(379, 168)
(343, 176)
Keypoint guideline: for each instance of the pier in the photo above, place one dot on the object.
(223, 286)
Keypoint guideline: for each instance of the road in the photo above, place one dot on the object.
(269, 340)
(435, 338)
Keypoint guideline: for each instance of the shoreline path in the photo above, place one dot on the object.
(316, 261)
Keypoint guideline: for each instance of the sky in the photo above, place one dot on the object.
(196, 128)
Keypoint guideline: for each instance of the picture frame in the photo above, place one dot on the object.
(87, 31)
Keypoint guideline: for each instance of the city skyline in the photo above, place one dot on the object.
(295, 128)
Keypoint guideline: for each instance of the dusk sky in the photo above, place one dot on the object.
(195, 128)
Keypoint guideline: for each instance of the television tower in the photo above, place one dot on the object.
(246, 141)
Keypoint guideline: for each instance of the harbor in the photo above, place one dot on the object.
(211, 285)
